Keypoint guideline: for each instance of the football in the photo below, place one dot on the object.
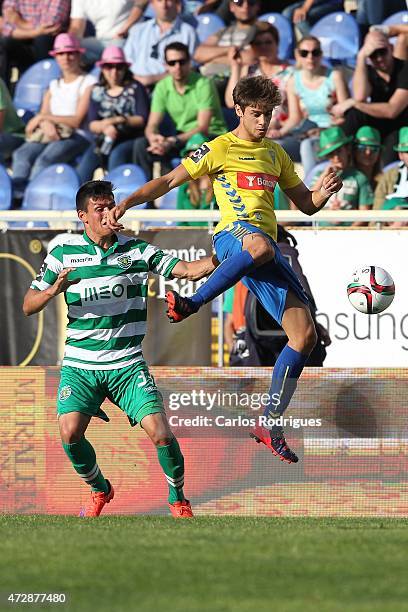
(371, 289)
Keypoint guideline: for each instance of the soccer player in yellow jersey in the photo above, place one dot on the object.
(244, 167)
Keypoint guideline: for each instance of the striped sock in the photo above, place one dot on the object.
(172, 463)
(83, 459)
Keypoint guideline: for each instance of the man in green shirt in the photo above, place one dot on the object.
(192, 103)
(356, 193)
(11, 126)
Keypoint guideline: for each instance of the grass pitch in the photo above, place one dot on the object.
(209, 564)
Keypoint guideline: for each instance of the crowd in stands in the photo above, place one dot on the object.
(139, 83)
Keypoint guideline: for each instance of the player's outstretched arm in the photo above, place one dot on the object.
(150, 191)
(35, 301)
(194, 270)
(310, 202)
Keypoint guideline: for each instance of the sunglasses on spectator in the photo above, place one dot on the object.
(371, 148)
(182, 62)
(378, 53)
(114, 66)
(313, 52)
(241, 2)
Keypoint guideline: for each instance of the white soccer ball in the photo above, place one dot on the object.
(371, 289)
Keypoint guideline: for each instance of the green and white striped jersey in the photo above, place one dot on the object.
(107, 309)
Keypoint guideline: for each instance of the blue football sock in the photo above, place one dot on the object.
(287, 369)
(228, 273)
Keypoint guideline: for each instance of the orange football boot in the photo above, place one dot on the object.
(181, 509)
(98, 500)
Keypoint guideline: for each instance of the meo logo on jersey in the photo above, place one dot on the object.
(256, 180)
(199, 154)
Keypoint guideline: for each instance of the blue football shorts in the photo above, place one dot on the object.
(270, 282)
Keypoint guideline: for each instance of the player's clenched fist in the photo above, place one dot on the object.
(330, 182)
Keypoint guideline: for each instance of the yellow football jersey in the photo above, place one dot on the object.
(244, 175)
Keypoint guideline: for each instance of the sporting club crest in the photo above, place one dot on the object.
(64, 393)
(124, 262)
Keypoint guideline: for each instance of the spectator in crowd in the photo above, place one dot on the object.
(11, 126)
(306, 13)
(222, 8)
(118, 113)
(265, 46)
(214, 52)
(312, 90)
(54, 134)
(356, 192)
(367, 153)
(196, 194)
(192, 103)
(28, 31)
(384, 79)
(392, 188)
(147, 41)
(111, 20)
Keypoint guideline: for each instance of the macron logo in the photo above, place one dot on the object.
(80, 260)
(258, 180)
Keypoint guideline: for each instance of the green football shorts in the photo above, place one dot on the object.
(132, 388)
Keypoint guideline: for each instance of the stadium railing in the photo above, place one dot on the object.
(135, 217)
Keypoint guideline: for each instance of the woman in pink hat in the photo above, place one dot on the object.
(118, 113)
(54, 135)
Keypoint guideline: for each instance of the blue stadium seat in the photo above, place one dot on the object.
(126, 179)
(285, 30)
(52, 189)
(396, 18)
(339, 36)
(33, 83)
(208, 24)
(169, 200)
(5, 189)
(317, 169)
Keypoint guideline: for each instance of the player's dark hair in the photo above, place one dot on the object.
(257, 91)
(92, 189)
(177, 46)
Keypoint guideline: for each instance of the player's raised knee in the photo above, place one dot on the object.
(260, 249)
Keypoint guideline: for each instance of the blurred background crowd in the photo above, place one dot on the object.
(126, 88)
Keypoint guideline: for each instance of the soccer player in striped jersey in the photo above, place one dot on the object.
(104, 278)
(244, 168)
